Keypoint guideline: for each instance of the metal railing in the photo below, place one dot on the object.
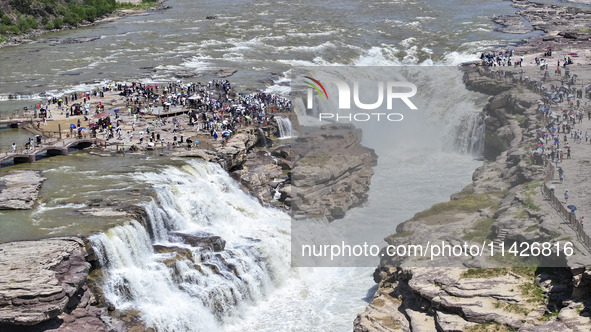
(567, 215)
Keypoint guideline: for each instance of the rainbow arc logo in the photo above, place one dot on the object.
(317, 86)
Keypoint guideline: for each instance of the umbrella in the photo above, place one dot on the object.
(572, 207)
(550, 47)
(72, 126)
(558, 166)
(573, 54)
(93, 125)
(247, 117)
(101, 115)
(149, 86)
(81, 128)
(116, 111)
(226, 134)
(567, 147)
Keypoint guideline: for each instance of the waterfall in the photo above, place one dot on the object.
(284, 127)
(469, 133)
(170, 267)
(262, 137)
(448, 116)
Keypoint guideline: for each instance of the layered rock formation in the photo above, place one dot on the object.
(332, 171)
(230, 156)
(502, 205)
(565, 27)
(43, 287)
(19, 190)
(451, 299)
(324, 172)
(555, 19)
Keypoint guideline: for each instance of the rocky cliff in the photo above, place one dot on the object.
(503, 204)
(44, 287)
(332, 171)
(324, 172)
(54, 284)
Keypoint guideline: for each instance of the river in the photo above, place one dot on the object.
(427, 159)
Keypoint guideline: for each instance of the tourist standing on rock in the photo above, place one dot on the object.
(566, 196)
(13, 147)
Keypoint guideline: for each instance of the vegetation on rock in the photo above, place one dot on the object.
(19, 17)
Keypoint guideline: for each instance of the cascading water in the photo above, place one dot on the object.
(449, 117)
(262, 137)
(165, 271)
(284, 125)
(157, 268)
(469, 134)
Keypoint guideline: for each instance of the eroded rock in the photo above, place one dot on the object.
(19, 190)
(39, 278)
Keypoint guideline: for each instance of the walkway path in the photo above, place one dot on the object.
(577, 170)
(58, 148)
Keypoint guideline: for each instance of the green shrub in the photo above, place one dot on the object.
(8, 29)
(6, 20)
(481, 230)
(26, 24)
(58, 23)
(484, 273)
(466, 203)
(23, 6)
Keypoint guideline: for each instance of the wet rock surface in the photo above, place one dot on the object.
(555, 19)
(201, 240)
(324, 172)
(20, 189)
(512, 24)
(257, 174)
(43, 288)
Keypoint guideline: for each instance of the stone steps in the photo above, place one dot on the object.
(500, 237)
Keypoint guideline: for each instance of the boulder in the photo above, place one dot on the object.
(19, 190)
(39, 278)
(201, 240)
